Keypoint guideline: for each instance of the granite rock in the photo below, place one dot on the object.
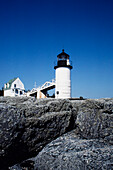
(28, 127)
(95, 119)
(71, 152)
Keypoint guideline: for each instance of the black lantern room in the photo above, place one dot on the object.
(63, 60)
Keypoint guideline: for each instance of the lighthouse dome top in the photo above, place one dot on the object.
(63, 55)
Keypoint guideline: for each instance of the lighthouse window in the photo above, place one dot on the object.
(57, 92)
(63, 57)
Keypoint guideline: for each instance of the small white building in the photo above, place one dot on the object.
(14, 88)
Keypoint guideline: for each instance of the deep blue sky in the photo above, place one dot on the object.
(33, 32)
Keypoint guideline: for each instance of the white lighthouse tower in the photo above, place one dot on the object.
(63, 76)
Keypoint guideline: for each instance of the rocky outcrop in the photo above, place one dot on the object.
(95, 119)
(29, 127)
(72, 152)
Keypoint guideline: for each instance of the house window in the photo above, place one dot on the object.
(16, 91)
(20, 92)
(15, 85)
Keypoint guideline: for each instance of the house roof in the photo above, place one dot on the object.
(10, 83)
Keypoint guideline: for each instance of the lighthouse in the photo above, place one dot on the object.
(63, 76)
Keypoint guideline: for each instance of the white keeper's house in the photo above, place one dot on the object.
(14, 87)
